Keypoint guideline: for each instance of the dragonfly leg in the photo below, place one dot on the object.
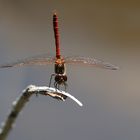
(51, 79)
(56, 85)
(65, 85)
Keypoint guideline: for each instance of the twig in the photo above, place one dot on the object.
(20, 102)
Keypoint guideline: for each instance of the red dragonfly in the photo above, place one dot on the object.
(60, 77)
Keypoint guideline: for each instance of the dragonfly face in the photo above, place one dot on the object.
(60, 79)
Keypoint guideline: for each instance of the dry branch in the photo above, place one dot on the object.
(20, 102)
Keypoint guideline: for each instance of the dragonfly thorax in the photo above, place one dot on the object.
(60, 68)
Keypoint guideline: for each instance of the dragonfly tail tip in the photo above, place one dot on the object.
(54, 12)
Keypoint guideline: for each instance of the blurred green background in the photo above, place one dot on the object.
(107, 30)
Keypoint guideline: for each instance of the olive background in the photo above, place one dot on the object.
(107, 30)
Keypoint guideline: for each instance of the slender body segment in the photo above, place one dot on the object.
(56, 35)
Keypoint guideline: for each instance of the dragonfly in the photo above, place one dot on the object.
(59, 61)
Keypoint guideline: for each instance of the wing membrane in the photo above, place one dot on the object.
(90, 62)
(37, 60)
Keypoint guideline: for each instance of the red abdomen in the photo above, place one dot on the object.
(56, 35)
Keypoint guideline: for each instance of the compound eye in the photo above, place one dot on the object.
(57, 78)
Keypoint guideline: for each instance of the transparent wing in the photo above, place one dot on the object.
(37, 60)
(90, 62)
